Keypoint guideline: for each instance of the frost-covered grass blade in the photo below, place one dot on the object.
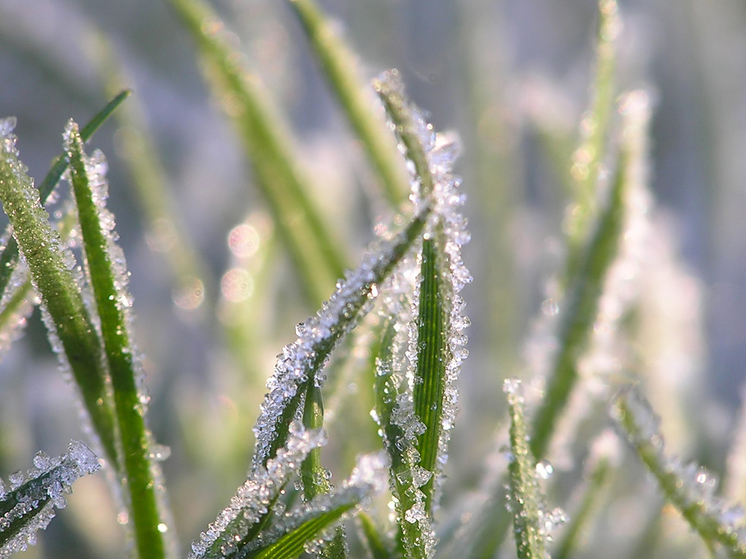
(301, 362)
(29, 504)
(108, 277)
(312, 246)
(71, 330)
(531, 522)
(688, 487)
(9, 257)
(432, 360)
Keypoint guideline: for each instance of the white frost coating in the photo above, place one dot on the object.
(41, 490)
(253, 498)
(337, 317)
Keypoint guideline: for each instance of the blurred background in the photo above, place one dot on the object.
(511, 78)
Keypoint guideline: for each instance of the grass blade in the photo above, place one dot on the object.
(689, 488)
(30, 504)
(301, 362)
(9, 257)
(589, 158)
(430, 372)
(399, 430)
(312, 246)
(302, 528)
(530, 521)
(338, 63)
(73, 335)
(313, 474)
(582, 306)
(108, 279)
(240, 522)
(373, 538)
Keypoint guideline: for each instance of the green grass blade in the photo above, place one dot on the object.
(9, 257)
(399, 429)
(313, 248)
(339, 64)
(30, 504)
(293, 543)
(301, 362)
(79, 346)
(525, 503)
(411, 129)
(374, 540)
(430, 372)
(590, 156)
(250, 508)
(688, 488)
(108, 279)
(580, 314)
(313, 474)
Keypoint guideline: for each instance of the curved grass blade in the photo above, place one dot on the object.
(430, 372)
(687, 487)
(338, 63)
(107, 271)
(416, 134)
(30, 504)
(73, 335)
(300, 363)
(313, 248)
(9, 257)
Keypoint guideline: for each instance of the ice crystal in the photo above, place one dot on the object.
(31, 503)
(254, 498)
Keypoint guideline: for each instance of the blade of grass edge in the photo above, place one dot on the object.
(339, 64)
(313, 248)
(61, 297)
(107, 283)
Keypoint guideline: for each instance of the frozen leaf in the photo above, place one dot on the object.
(30, 506)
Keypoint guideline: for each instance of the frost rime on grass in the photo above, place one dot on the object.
(690, 488)
(29, 504)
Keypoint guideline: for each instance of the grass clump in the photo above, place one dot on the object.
(387, 339)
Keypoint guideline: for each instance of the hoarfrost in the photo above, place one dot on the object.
(36, 494)
(253, 499)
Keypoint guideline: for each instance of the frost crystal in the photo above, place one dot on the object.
(254, 498)
(30, 506)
